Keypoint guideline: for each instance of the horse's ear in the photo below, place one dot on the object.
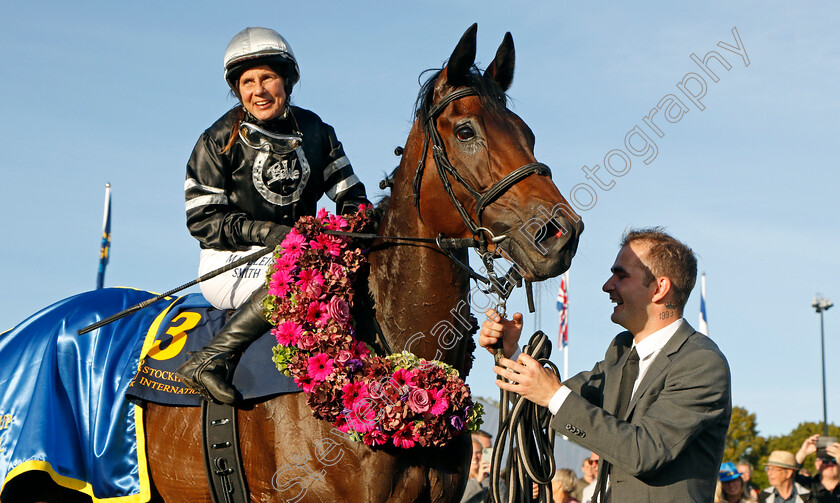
(501, 69)
(462, 59)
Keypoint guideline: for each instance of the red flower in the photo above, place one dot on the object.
(404, 437)
(353, 392)
(375, 437)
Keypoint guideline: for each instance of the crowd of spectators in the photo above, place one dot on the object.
(789, 483)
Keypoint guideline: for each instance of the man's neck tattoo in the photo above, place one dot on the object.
(670, 313)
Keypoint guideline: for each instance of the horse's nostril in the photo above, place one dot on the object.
(552, 229)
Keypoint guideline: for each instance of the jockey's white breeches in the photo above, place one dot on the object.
(229, 290)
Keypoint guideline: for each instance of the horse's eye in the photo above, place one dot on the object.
(464, 133)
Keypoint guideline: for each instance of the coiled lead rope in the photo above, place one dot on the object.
(526, 427)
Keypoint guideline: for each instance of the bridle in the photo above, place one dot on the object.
(444, 168)
(502, 286)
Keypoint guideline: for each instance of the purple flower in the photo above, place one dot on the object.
(419, 400)
(353, 365)
(456, 422)
(339, 310)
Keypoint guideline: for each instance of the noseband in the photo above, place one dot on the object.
(444, 167)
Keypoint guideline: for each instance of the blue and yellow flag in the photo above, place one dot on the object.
(105, 248)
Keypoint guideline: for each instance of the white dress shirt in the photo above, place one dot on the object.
(647, 350)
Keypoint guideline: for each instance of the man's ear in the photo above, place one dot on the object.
(663, 288)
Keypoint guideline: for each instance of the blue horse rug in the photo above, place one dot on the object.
(66, 400)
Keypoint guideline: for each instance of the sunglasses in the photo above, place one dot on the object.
(828, 461)
(592, 461)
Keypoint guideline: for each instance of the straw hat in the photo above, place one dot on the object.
(782, 459)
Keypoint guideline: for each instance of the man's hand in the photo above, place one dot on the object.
(483, 470)
(496, 328)
(833, 450)
(809, 446)
(528, 378)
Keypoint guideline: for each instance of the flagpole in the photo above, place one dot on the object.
(105, 247)
(704, 324)
(566, 347)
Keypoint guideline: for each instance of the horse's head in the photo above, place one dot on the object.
(469, 145)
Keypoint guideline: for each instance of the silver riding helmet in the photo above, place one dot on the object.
(254, 46)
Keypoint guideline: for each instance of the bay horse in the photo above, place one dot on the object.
(463, 133)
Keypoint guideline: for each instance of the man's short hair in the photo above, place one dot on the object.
(564, 478)
(667, 257)
(744, 462)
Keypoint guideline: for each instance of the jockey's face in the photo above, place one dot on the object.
(262, 92)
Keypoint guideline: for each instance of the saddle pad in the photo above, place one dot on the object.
(62, 396)
(188, 326)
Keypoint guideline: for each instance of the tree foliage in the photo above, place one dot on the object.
(743, 441)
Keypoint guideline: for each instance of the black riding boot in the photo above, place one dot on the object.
(210, 370)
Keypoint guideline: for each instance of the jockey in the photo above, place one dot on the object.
(251, 175)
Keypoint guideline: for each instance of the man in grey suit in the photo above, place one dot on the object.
(657, 408)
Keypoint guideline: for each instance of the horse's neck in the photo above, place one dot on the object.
(419, 293)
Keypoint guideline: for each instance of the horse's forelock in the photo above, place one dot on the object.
(491, 94)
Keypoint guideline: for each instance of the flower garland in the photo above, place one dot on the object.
(400, 398)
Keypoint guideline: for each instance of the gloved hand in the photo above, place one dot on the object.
(265, 233)
(276, 235)
(351, 206)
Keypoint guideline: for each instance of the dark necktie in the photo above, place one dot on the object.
(629, 374)
(628, 379)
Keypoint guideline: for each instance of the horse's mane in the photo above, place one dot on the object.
(492, 96)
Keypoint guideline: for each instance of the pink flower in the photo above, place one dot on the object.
(439, 402)
(279, 284)
(286, 261)
(330, 244)
(362, 416)
(305, 383)
(307, 341)
(404, 437)
(343, 355)
(339, 309)
(288, 333)
(419, 400)
(319, 366)
(294, 243)
(311, 282)
(353, 392)
(404, 378)
(322, 215)
(336, 222)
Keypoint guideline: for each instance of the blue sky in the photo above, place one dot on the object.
(118, 92)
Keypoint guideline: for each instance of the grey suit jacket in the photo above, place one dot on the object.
(671, 448)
